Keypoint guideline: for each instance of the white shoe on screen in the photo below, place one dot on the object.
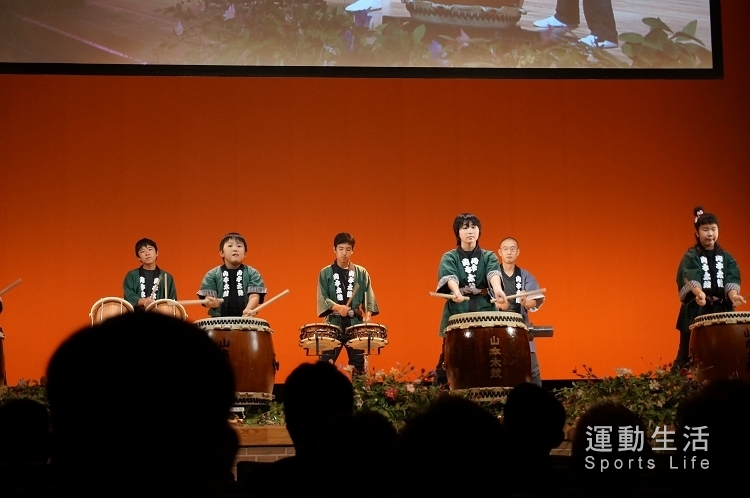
(364, 5)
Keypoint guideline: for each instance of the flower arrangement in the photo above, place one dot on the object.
(25, 389)
(654, 395)
(398, 394)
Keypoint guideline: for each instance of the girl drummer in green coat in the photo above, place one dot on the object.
(708, 280)
(471, 274)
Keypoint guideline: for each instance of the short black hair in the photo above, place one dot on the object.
(462, 220)
(143, 243)
(509, 238)
(232, 236)
(343, 238)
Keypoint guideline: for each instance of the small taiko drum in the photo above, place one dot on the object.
(168, 307)
(108, 307)
(319, 337)
(248, 343)
(367, 336)
(487, 353)
(720, 346)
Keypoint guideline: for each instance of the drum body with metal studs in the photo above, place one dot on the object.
(367, 336)
(168, 307)
(720, 346)
(248, 344)
(318, 338)
(487, 352)
(108, 307)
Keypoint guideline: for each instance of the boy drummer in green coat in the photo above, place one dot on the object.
(240, 287)
(345, 297)
(148, 283)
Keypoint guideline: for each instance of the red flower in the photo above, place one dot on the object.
(391, 393)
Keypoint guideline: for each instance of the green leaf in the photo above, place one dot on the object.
(418, 33)
(655, 40)
(682, 36)
(656, 23)
(631, 38)
(690, 28)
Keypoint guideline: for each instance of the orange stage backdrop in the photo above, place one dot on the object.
(596, 179)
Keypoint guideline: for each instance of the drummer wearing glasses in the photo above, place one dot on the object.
(515, 280)
(472, 275)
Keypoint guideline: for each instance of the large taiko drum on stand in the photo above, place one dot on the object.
(108, 307)
(720, 346)
(168, 307)
(248, 343)
(487, 353)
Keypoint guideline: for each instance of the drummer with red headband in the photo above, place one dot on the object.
(708, 280)
(148, 283)
(472, 275)
(234, 288)
(345, 297)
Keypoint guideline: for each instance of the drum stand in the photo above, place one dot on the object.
(318, 352)
(367, 352)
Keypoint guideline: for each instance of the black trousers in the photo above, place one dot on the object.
(356, 356)
(598, 13)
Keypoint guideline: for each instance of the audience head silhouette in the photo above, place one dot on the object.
(456, 433)
(535, 421)
(314, 394)
(138, 402)
(24, 432)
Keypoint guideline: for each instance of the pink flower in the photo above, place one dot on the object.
(391, 393)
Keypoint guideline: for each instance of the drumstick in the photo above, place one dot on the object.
(274, 298)
(523, 294)
(444, 296)
(197, 301)
(354, 291)
(10, 287)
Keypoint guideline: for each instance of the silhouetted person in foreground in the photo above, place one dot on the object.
(139, 406)
(534, 421)
(712, 440)
(456, 445)
(24, 448)
(315, 394)
(595, 468)
(24, 432)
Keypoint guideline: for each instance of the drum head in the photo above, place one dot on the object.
(320, 337)
(108, 307)
(729, 317)
(367, 336)
(168, 307)
(233, 323)
(486, 319)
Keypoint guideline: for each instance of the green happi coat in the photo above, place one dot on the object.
(327, 295)
(213, 285)
(452, 268)
(692, 268)
(132, 290)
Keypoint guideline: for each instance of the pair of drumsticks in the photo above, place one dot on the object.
(514, 296)
(221, 300)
